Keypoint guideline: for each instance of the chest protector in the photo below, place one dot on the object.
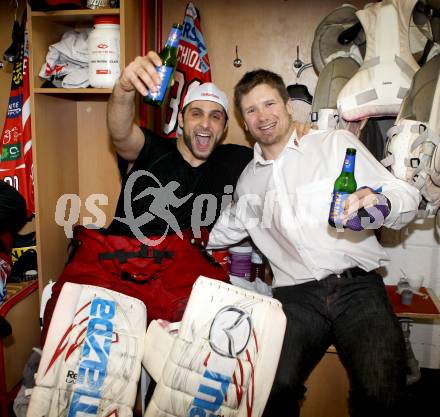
(412, 147)
(382, 81)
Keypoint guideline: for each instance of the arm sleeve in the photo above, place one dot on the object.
(228, 230)
(403, 197)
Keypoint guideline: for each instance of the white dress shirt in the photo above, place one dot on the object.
(283, 205)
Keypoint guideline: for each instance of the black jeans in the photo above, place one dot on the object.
(354, 314)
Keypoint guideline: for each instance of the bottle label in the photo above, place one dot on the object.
(165, 73)
(240, 264)
(349, 163)
(103, 51)
(337, 207)
(174, 38)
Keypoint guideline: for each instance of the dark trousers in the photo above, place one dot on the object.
(354, 314)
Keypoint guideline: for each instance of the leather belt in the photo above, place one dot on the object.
(351, 272)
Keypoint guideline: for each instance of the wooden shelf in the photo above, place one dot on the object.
(73, 17)
(72, 151)
(72, 90)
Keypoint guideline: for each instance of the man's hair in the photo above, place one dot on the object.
(253, 78)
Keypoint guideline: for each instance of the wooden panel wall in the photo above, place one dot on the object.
(266, 32)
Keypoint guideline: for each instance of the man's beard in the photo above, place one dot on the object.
(193, 149)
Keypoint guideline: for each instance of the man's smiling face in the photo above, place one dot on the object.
(203, 124)
(266, 116)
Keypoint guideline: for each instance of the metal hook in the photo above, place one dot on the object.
(237, 61)
(297, 63)
(304, 67)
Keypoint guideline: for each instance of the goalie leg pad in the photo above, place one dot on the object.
(225, 354)
(91, 360)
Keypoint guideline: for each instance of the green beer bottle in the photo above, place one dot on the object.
(344, 185)
(168, 56)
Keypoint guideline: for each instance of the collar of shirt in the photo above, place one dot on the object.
(293, 143)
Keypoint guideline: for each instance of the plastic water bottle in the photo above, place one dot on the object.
(103, 46)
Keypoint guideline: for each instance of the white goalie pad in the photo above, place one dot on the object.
(380, 84)
(91, 360)
(158, 344)
(224, 356)
(413, 142)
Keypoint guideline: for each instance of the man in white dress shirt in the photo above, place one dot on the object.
(325, 277)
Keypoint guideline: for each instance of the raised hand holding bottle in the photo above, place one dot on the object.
(168, 55)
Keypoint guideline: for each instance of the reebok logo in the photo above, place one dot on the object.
(210, 95)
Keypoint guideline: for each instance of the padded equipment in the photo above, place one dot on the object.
(326, 45)
(91, 360)
(332, 79)
(380, 84)
(224, 356)
(412, 147)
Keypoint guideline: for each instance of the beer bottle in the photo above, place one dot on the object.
(168, 56)
(344, 185)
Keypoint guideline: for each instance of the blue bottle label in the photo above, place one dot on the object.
(165, 74)
(174, 38)
(349, 163)
(337, 206)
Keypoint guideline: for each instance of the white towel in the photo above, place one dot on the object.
(68, 58)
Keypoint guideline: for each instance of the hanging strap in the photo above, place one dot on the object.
(144, 253)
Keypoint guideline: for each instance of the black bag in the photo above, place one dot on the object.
(45, 5)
